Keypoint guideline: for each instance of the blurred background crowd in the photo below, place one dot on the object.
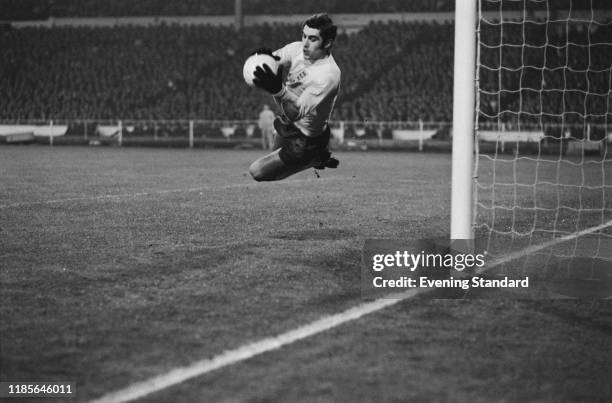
(391, 71)
(42, 9)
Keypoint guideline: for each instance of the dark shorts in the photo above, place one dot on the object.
(297, 149)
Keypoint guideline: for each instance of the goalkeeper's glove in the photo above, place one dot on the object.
(267, 80)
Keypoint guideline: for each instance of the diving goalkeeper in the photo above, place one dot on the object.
(306, 100)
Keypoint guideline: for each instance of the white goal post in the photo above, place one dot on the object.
(463, 120)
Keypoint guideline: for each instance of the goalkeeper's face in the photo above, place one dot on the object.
(312, 44)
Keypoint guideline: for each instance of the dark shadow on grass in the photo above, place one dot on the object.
(339, 269)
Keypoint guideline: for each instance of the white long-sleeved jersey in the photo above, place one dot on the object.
(312, 86)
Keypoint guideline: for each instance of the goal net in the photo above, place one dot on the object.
(543, 166)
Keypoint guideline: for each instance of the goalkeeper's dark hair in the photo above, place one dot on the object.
(324, 24)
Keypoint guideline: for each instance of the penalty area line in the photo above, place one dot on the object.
(247, 351)
(179, 375)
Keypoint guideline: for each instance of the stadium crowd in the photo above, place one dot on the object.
(390, 71)
(170, 72)
(43, 9)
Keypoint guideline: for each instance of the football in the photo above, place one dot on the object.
(257, 60)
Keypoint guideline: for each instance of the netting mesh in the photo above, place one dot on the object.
(544, 163)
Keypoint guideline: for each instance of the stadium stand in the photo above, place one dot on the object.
(42, 9)
(170, 72)
(392, 71)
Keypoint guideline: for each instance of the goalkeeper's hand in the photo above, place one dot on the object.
(267, 80)
(265, 51)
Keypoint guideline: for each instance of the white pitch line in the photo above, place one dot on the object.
(523, 252)
(247, 351)
(178, 375)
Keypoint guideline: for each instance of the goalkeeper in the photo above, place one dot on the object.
(306, 99)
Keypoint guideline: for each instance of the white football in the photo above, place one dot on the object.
(257, 60)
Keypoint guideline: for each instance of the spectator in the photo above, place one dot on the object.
(266, 125)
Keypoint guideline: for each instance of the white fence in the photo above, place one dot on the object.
(348, 133)
(192, 130)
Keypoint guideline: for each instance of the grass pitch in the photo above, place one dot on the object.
(121, 264)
